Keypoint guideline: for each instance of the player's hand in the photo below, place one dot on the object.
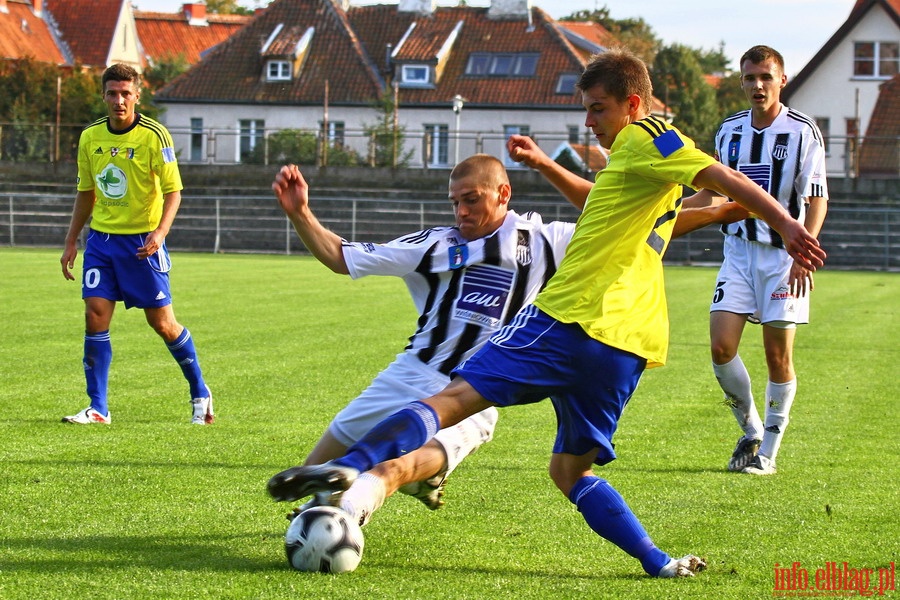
(291, 189)
(152, 243)
(67, 260)
(522, 149)
(802, 246)
(800, 281)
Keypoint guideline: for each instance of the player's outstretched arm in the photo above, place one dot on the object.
(706, 208)
(799, 243)
(292, 193)
(523, 149)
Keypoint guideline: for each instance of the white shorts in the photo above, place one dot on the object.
(753, 281)
(406, 380)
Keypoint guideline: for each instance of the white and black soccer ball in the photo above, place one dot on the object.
(324, 539)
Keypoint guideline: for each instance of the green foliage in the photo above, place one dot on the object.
(635, 34)
(678, 80)
(386, 140)
(151, 507)
(301, 147)
(227, 7)
(28, 100)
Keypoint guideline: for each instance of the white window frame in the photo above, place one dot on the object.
(412, 75)
(278, 70)
(876, 60)
(440, 145)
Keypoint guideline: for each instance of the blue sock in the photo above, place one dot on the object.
(608, 515)
(184, 353)
(97, 358)
(398, 434)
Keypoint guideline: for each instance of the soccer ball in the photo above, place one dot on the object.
(324, 539)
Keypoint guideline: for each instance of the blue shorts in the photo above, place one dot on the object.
(536, 356)
(113, 271)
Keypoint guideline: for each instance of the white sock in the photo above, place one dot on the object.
(364, 497)
(735, 382)
(779, 398)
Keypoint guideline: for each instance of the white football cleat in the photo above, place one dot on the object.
(88, 416)
(203, 410)
(760, 465)
(683, 567)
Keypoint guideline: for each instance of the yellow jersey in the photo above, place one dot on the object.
(611, 279)
(130, 171)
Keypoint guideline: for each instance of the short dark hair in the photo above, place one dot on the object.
(487, 167)
(760, 54)
(621, 73)
(121, 72)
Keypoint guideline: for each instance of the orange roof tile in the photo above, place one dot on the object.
(87, 27)
(24, 35)
(880, 151)
(169, 35)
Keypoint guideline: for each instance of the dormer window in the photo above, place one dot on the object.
(491, 64)
(413, 75)
(278, 70)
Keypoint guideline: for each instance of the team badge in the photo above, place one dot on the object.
(780, 152)
(113, 151)
(458, 256)
(734, 150)
(523, 249)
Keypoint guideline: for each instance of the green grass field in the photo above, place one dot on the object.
(152, 507)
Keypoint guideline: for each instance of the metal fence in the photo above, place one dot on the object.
(414, 148)
(855, 237)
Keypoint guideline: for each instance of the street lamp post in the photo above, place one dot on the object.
(458, 102)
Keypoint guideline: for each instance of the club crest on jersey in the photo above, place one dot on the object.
(482, 300)
(113, 151)
(458, 256)
(780, 152)
(523, 250)
(734, 150)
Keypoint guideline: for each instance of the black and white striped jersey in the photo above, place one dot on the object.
(465, 290)
(786, 158)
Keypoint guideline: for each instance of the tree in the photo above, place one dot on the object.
(679, 80)
(386, 139)
(634, 34)
(227, 7)
(28, 101)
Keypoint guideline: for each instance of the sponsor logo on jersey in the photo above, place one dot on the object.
(129, 153)
(760, 174)
(99, 150)
(485, 290)
(113, 182)
(458, 256)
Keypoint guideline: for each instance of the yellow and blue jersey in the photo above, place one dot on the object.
(130, 171)
(610, 281)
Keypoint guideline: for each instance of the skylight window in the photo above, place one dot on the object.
(490, 64)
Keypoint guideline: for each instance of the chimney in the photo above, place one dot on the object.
(512, 10)
(420, 7)
(37, 7)
(4, 10)
(195, 13)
